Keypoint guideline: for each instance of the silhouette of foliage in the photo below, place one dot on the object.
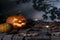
(41, 6)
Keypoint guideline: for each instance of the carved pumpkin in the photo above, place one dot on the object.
(5, 27)
(17, 21)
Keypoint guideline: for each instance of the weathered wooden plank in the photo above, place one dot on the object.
(2, 35)
(7, 37)
(16, 37)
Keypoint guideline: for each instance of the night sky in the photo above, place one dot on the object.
(10, 8)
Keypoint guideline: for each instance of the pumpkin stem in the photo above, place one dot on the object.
(19, 13)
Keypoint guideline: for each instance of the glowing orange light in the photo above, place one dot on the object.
(17, 24)
(17, 21)
(23, 23)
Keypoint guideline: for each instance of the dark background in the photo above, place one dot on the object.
(12, 7)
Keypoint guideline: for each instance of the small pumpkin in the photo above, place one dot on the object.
(5, 27)
(17, 21)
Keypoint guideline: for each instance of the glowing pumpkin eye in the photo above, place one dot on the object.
(15, 19)
(19, 21)
(22, 23)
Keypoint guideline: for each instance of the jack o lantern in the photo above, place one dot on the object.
(17, 21)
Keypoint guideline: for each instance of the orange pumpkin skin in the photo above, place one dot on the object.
(5, 27)
(17, 21)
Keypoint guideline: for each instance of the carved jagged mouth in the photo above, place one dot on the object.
(19, 25)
